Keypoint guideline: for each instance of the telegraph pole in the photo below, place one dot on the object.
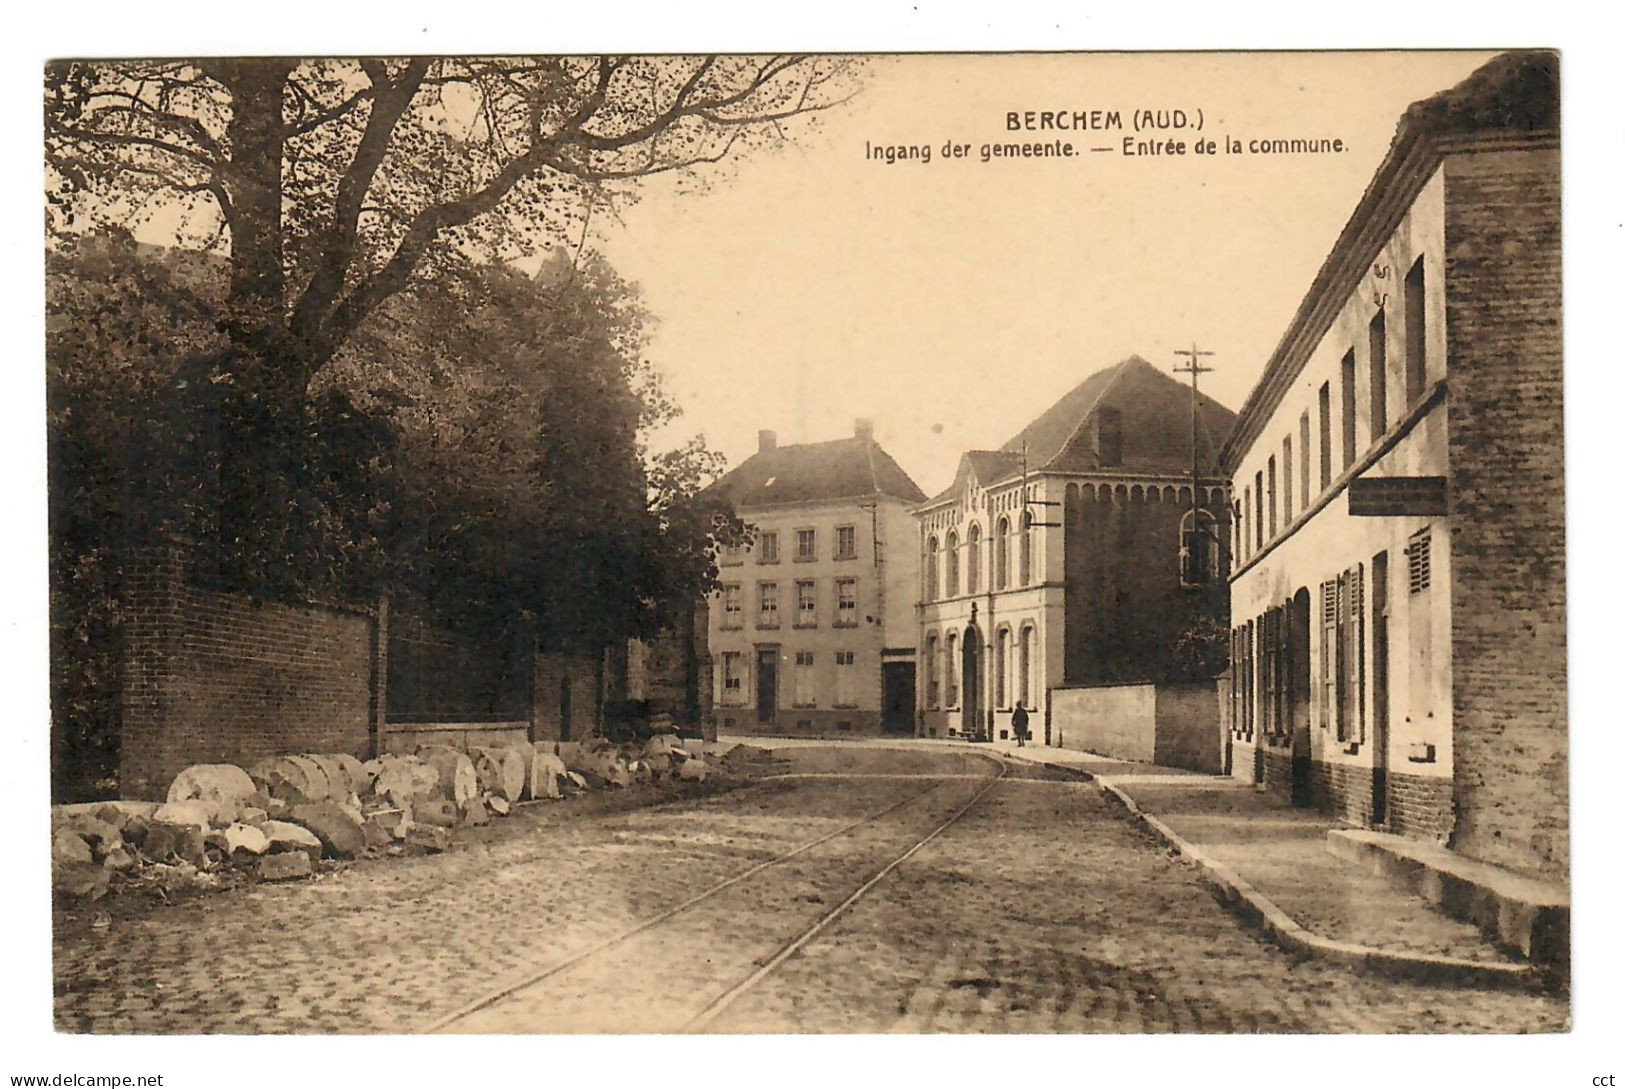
(1195, 369)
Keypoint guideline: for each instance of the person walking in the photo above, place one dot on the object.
(1018, 725)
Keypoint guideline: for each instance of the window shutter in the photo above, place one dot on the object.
(1357, 638)
(1419, 553)
(1343, 702)
(1328, 650)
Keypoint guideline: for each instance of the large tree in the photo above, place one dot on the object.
(332, 186)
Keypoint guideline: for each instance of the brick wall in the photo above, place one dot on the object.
(1341, 790)
(1190, 732)
(564, 697)
(1421, 806)
(1112, 720)
(1505, 372)
(210, 677)
(1125, 608)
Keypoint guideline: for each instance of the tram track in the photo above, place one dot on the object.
(491, 1002)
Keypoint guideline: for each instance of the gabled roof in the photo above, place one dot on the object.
(991, 465)
(809, 472)
(1046, 436)
(1154, 408)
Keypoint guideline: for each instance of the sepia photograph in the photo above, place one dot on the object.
(978, 542)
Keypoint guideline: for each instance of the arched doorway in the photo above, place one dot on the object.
(970, 697)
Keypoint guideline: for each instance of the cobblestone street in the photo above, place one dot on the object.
(1043, 908)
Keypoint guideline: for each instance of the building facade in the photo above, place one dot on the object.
(1398, 598)
(811, 632)
(1055, 560)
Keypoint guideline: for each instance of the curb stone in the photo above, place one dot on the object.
(1291, 935)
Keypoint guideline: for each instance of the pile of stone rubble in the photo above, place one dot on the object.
(280, 816)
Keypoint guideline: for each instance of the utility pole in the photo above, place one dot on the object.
(1196, 564)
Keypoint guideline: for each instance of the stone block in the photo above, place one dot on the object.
(283, 866)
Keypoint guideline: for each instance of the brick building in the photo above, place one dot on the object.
(812, 630)
(1054, 560)
(1398, 608)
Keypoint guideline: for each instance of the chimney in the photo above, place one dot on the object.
(864, 429)
(766, 440)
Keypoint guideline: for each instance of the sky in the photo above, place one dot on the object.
(952, 301)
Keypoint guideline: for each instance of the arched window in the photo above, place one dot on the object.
(1024, 663)
(950, 673)
(1027, 548)
(933, 693)
(1001, 669)
(1001, 556)
(931, 569)
(973, 560)
(952, 581)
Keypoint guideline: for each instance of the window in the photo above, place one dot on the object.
(806, 604)
(733, 678)
(1325, 435)
(806, 545)
(1416, 333)
(732, 554)
(846, 542)
(1001, 556)
(804, 692)
(846, 603)
(1272, 496)
(767, 604)
(1001, 669)
(1027, 548)
(1303, 457)
(1351, 657)
(767, 547)
(1024, 667)
(1286, 481)
(952, 579)
(1419, 560)
(1350, 441)
(1246, 510)
(846, 679)
(1235, 682)
(1109, 436)
(931, 569)
(1378, 371)
(733, 607)
(973, 560)
(1248, 696)
(933, 674)
(1272, 673)
(1239, 547)
(1342, 655)
(950, 672)
(1258, 509)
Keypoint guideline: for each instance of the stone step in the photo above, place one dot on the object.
(1513, 910)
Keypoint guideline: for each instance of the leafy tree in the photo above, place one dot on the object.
(330, 187)
(485, 433)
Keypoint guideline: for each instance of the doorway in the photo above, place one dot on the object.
(970, 697)
(897, 697)
(1379, 690)
(767, 686)
(1296, 653)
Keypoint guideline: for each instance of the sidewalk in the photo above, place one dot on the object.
(1271, 860)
